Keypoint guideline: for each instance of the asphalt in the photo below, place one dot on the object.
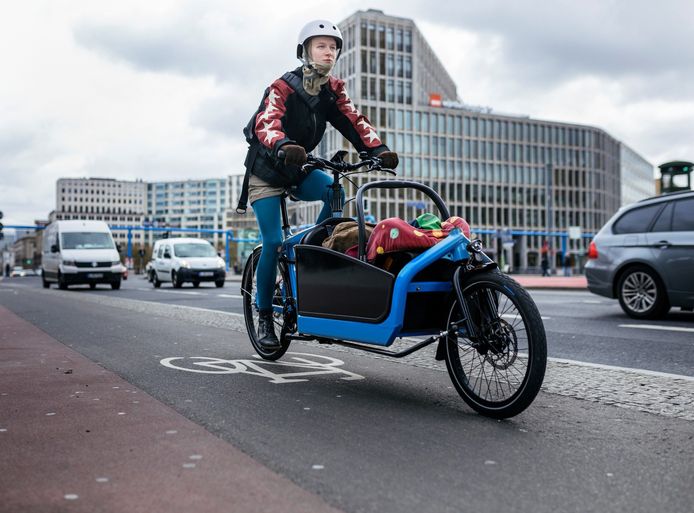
(129, 449)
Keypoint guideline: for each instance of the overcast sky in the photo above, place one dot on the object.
(159, 90)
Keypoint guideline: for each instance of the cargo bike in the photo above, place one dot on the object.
(486, 326)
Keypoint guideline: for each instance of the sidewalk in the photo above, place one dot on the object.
(77, 437)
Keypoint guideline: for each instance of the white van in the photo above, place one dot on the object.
(181, 260)
(80, 252)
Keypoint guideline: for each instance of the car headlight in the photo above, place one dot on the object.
(69, 262)
(117, 262)
(185, 264)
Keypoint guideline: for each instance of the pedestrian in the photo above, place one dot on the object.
(545, 265)
(568, 264)
(291, 119)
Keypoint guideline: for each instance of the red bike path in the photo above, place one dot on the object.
(536, 281)
(77, 437)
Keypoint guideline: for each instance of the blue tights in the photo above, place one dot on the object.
(315, 187)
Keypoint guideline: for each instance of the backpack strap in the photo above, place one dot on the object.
(297, 84)
(242, 205)
(249, 131)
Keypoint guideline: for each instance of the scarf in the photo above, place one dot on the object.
(315, 74)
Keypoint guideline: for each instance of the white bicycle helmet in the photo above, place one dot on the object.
(318, 28)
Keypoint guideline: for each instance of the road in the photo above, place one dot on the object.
(580, 326)
(370, 434)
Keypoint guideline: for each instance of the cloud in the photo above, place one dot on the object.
(558, 40)
(160, 90)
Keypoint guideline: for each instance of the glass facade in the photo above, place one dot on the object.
(498, 171)
(637, 176)
(194, 204)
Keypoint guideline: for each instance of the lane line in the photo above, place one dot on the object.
(626, 369)
(230, 295)
(654, 327)
(189, 293)
(514, 317)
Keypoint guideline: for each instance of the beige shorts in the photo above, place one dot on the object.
(259, 189)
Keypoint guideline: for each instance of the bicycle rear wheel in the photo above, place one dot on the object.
(498, 369)
(284, 323)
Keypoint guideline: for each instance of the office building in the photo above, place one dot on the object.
(117, 202)
(499, 171)
(190, 204)
(636, 176)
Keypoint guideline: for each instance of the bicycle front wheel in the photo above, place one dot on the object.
(499, 365)
(281, 314)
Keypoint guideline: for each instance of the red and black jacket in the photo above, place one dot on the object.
(289, 115)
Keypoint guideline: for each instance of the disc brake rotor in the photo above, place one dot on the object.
(501, 344)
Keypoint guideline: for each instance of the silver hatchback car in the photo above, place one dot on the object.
(644, 256)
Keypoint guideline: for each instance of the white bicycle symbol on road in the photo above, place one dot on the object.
(308, 366)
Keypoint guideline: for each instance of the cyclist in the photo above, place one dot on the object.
(289, 123)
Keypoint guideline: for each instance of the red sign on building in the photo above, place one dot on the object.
(435, 100)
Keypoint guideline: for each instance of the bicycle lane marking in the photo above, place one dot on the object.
(259, 367)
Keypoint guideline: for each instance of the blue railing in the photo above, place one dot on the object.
(229, 235)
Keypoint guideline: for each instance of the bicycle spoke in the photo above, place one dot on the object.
(491, 365)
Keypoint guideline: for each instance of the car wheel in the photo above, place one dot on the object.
(196, 284)
(115, 285)
(46, 284)
(219, 284)
(641, 294)
(177, 283)
(92, 286)
(62, 284)
(155, 281)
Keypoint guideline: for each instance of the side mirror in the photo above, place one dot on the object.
(119, 248)
(54, 248)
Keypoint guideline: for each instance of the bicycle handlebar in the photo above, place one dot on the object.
(374, 164)
(317, 162)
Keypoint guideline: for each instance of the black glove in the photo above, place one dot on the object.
(294, 155)
(389, 159)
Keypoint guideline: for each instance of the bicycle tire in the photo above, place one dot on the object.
(283, 323)
(482, 367)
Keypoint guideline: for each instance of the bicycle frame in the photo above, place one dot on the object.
(449, 291)
(381, 332)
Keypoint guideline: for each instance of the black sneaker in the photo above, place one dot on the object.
(267, 339)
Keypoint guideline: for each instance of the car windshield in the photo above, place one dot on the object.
(86, 240)
(194, 250)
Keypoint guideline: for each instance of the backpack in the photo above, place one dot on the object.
(252, 139)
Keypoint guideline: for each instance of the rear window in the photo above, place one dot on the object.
(637, 220)
(683, 216)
